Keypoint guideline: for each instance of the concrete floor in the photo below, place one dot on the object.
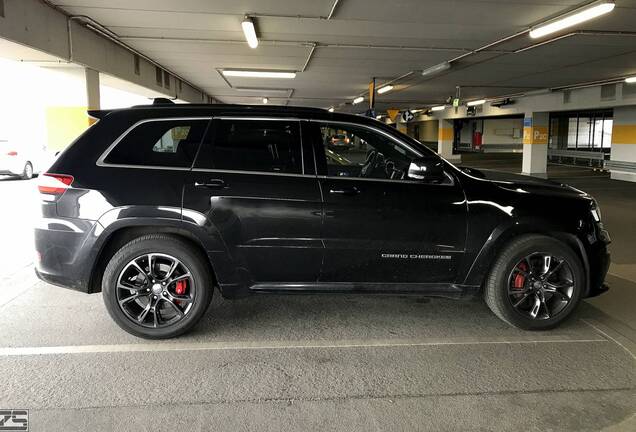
(354, 363)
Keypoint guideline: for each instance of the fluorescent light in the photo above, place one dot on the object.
(250, 32)
(576, 17)
(438, 108)
(265, 100)
(630, 80)
(439, 68)
(358, 100)
(258, 74)
(385, 89)
(331, 109)
(476, 102)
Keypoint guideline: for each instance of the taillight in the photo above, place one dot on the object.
(12, 153)
(54, 184)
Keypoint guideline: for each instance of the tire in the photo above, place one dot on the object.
(161, 249)
(27, 172)
(507, 276)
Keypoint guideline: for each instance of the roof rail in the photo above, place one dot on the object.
(162, 101)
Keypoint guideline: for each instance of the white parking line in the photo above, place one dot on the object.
(279, 345)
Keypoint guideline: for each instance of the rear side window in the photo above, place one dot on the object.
(168, 143)
(255, 145)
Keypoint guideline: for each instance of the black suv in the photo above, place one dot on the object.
(156, 205)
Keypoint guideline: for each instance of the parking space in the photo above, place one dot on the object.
(278, 147)
(318, 362)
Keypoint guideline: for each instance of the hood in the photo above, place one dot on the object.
(525, 183)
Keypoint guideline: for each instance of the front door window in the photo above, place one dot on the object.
(353, 151)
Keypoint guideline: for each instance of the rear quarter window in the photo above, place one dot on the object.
(160, 143)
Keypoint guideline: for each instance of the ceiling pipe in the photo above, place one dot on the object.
(576, 33)
(273, 42)
(589, 84)
(98, 28)
(309, 57)
(333, 9)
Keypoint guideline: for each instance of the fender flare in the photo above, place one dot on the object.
(480, 266)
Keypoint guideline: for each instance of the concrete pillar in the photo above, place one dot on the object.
(535, 144)
(445, 136)
(92, 89)
(623, 152)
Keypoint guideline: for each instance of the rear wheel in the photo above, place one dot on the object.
(27, 172)
(535, 283)
(157, 287)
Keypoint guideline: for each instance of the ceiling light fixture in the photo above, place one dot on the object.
(476, 102)
(630, 80)
(244, 73)
(249, 30)
(332, 109)
(265, 100)
(434, 70)
(358, 100)
(386, 88)
(573, 18)
(438, 108)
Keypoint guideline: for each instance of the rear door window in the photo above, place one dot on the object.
(254, 145)
(160, 143)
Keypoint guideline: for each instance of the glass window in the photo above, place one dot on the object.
(256, 145)
(353, 151)
(573, 124)
(170, 143)
(585, 133)
(607, 133)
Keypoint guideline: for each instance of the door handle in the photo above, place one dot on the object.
(345, 191)
(212, 184)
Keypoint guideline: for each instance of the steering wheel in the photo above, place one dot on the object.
(369, 164)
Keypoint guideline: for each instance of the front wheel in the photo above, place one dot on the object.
(157, 287)
(535, 283)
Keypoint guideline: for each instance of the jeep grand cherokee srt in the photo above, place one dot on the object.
(155, 206)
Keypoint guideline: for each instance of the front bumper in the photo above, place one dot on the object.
(599, 262)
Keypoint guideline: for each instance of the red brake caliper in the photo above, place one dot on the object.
(519, 278)
(181, 287)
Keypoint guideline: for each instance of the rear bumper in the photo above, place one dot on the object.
(64, 252)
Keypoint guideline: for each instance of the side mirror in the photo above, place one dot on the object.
(429, 170)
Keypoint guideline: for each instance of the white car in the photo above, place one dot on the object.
(21, 161)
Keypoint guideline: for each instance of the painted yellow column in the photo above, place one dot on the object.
(445, 135)
(623, 152)
(65, 123)
(93, 99)
(535, 144)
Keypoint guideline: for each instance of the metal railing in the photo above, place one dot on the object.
(592, 158)
(625, 166)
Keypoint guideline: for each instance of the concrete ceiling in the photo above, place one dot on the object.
(196, 37)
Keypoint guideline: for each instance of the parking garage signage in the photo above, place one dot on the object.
(406, 116)
(534, 134)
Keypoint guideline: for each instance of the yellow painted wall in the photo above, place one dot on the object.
(623, 134)
(64, 124)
